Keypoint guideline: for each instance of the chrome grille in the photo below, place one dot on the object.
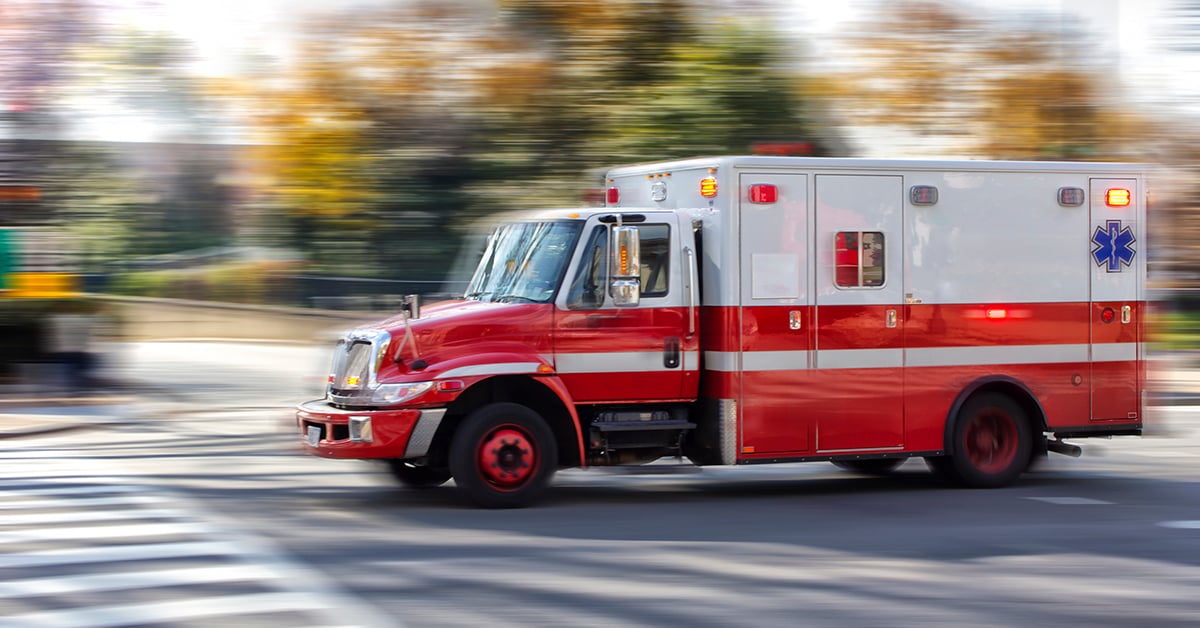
(352, 373)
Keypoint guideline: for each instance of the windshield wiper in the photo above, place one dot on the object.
(517, 297)
(475, 295)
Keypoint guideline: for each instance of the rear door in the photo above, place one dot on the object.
(1117, 236)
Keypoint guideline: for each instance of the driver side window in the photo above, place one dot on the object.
(588, 287)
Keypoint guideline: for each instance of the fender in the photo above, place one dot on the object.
(975, 386)
(558, 388)
(479, 367)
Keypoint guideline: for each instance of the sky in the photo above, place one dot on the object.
(222, 29)
(1126, 33)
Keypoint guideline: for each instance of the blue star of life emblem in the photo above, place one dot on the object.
(1114, 246)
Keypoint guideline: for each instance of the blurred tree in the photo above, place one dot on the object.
(160, 189)
(981, 86)
(402, 125)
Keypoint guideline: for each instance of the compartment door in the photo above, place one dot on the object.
(858, 400)
(775, 340)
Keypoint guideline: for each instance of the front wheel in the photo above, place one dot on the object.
(503, 456)
(992, 442)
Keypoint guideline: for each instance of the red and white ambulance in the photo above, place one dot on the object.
(747, 310)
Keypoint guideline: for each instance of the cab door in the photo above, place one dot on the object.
(859, 358)
(650, 352)
(1115, 343)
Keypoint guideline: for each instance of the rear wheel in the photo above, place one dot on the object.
(503, 456)
(417, 476)
(992, 442)
(874, 466)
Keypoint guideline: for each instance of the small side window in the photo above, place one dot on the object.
(858, 259)
(588, 286)
(655, 246)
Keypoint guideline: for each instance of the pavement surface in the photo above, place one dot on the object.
(29, 410)
(25, 412)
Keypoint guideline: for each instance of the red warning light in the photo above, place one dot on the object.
(708, 187)
(782, 148)
(1108, 315)
(1117, 197)
(996, 313)
(612, 196)
(763, 193)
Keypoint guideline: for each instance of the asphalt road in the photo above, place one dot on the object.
(209, 487)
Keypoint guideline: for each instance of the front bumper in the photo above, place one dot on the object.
(331, 432)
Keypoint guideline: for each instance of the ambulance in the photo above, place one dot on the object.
(749, 310)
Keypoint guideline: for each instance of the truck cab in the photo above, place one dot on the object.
(575, 343)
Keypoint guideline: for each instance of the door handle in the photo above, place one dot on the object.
(671, 352)
(890, 319)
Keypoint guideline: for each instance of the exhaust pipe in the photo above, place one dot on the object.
(1066, 449)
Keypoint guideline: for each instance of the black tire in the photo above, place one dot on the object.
(873, 466)
(942, 468)
(417, 476)
(503, 456)
(992, 443)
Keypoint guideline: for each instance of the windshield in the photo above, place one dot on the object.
(524, 262)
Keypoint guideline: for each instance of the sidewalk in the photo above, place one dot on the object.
(142, 380)
(24, 412)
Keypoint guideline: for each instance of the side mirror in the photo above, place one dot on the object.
(627, 268)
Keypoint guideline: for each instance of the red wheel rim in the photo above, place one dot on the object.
(991, 440)
(507, 457)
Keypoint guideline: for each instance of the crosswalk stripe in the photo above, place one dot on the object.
(64, 585)
(75, 556)
(124, 615)
(29, 489)
(89, 515)
(81, 502)
(102, 532)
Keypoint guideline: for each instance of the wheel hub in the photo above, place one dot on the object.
(507, 457)
(991, 442)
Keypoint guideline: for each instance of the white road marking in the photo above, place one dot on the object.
(64, 585)
(88, 502)
(1182, 525)
(89, 515)
(95, 485)
(125, 531)
(99, 616)
(78, 556)
(68, 497)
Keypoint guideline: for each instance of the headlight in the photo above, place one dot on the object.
(390, 394)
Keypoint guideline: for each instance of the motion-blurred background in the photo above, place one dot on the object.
(335, 154)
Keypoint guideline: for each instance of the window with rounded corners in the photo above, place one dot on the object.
(591, 278)
(654, 242)
(858, 259)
